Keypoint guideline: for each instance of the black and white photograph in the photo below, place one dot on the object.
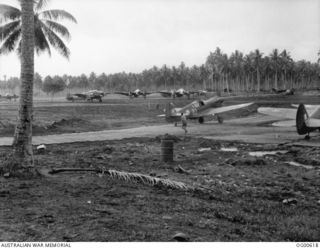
(159, 121)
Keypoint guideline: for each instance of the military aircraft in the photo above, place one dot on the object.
(199, 92)
(175, 93)
(199, 109)
(306, 118)
(134, 94)
(283, 91)
(88, 96)
(8, 96)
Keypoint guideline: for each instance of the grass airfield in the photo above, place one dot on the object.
(273, 197)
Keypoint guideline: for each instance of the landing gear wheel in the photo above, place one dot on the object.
(175, 124)
(201, 120)
(307, 137)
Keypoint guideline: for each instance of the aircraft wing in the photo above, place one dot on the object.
(285, 123)
(287, 113)
(194, 92)
(315, 114)
(282, 113)
(213, 111)
(313, 123)
(80, 95)
(123, 93)
(165, 93)
(95, 92)
(312, 110)
(148, 93)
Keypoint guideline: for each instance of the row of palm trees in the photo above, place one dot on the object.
(256, 72)
(220, 72)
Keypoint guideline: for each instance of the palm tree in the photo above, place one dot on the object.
(286, 63)
(266, 72)
(275, 60)
(29, 30)
(48, 32)
(236, 62)
(165, 74)
(257, 62)
(204, 75)
(212, 63)
(248, 68)
(22, 143)
(224, 68)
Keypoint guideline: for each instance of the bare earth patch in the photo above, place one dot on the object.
(245, 198)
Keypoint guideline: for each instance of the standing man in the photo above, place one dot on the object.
(184, 123)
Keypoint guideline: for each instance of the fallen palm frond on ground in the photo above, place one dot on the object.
(145, 179)
(130, 177)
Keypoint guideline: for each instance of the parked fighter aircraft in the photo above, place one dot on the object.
(284, 91)
(134, 94)
(175, 93)
(306, 118)
(199, 92)
(88, 96)
(200, 109)
(8, 96)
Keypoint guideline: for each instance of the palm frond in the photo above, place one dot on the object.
(58, 28)
(11, 42)
(55, 41)
(8, 12)
(40, 4)
(135, 177)
(145, 179)
(56, 15)
(8, 28)
(41, 43)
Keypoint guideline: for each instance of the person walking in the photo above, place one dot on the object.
(184, 123)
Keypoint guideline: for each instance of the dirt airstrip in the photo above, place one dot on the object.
(246, 180)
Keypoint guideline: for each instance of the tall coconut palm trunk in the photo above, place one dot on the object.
(22, 143)
(258, 80)
(226, 82)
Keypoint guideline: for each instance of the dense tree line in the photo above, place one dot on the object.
(256, 72)
(10, 84)
(220, 72)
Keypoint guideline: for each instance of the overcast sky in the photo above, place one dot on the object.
(133, 35)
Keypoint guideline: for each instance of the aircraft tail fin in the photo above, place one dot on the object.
(301, 119)
(172, 113)
(168, 110)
